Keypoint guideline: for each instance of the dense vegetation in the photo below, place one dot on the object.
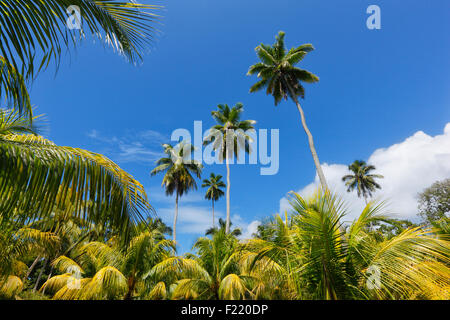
(74, 225)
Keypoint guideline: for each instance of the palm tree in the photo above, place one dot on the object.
(361, 179)
(178, 168)
(108, 270)
(282, 79)
(213, 274)
(34, 33)
(214, 191)
(233, 138)
(37, 177)
(315, 257)
(222, 227)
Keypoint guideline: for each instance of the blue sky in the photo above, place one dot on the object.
(376, 89)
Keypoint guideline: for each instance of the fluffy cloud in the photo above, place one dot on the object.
(408, 167)
(196, 219)
(191, 219)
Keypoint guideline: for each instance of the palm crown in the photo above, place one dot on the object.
(228, 137)
(277, 70)
(179, 168)
(233, 130)
(361, 179)
(214, 185)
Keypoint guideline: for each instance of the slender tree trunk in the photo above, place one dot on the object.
(131, 286)
(310, 140)
(40, 275)
(48, 278)
(175, 220)
(227, 226)
(213, 212)
(30, 269)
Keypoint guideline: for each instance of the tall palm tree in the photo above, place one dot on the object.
(37, 177)
(361, 179)
(283, 80)
(233, 138)
(179, 168)
(34, 33)
(214, 192)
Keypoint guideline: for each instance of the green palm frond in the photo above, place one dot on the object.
(98, 190)
(13, 89)
(10, 286)
(65, 264)
(36, 32)
(232, 287)
(159, 292)
(230, 135)
(107, 283)
(277, 71)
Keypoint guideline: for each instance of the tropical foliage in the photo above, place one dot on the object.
(310, 253)
(75, 226)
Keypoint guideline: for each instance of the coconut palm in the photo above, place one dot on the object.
(214, 274)
(229, 137)
(282, 79)
(108, 270)
(222, 227)
(361, 179)
(315, 257)
(37, 177)
(35, 33)
(214, 192)
(15, 246)
(178, 168)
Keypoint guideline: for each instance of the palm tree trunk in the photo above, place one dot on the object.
(40, 275)
(30, 269)
(213, 211)
(227, 226)
(175, 220)
(310, 140)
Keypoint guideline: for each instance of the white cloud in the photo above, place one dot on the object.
(196, 219)
(250, 229)
(408, 167)
(191, 219)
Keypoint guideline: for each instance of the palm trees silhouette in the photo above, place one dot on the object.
(214, 192)
(233, 139)
(361, 179)
(179, 173)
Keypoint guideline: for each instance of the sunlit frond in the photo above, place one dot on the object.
(98, 189)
